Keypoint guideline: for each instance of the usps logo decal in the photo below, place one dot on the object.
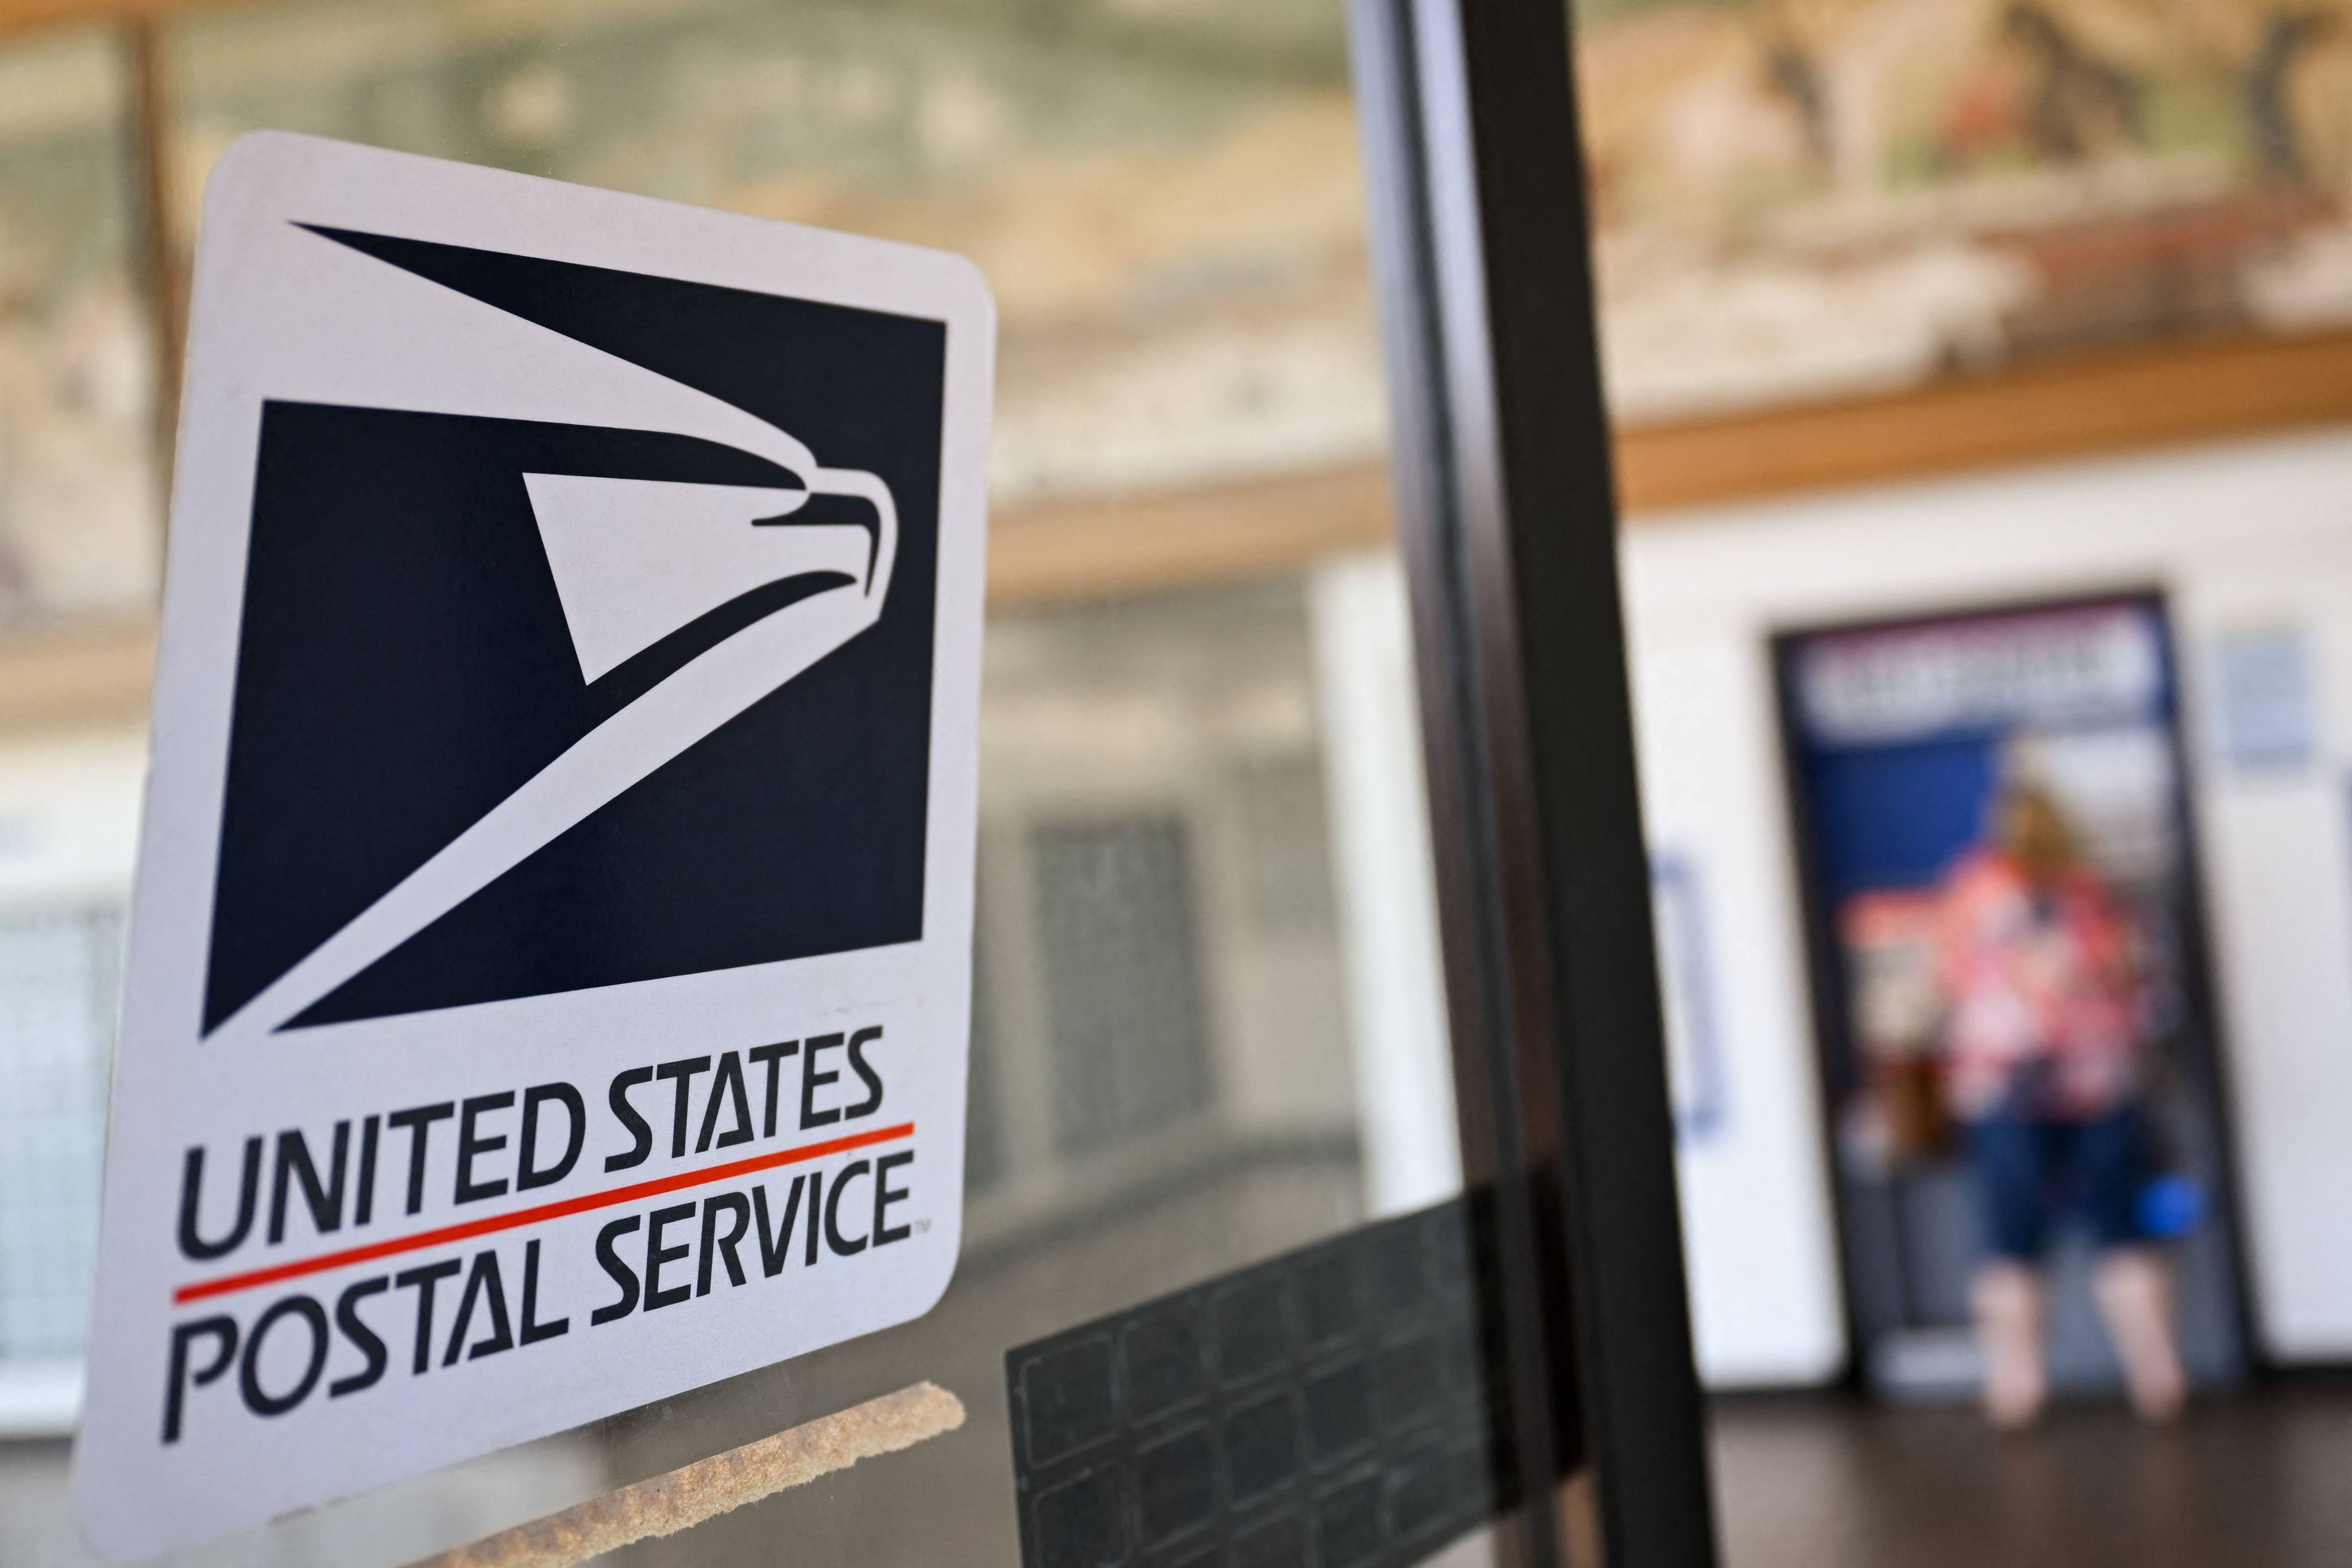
(549, 974)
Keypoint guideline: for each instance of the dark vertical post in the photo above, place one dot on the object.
(1506, 520)
(159, 268)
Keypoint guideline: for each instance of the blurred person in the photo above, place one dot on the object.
(2042, 1040)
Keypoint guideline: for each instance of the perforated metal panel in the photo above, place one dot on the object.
(1116, 921)
(1328, 1409)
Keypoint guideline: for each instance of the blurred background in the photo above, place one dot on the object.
(1984, 394)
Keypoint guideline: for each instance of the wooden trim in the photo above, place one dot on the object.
(26, 16)
(2087, 406)
(1107, 549)
(78, 673)
(1101, 548)
(94, 670)
(2076, 407)
(164, 279)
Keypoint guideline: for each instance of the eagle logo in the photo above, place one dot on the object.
(527, 594)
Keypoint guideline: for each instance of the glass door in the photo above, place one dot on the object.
(1221, 1297)
(1226, 1294)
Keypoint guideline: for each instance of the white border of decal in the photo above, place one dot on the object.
(273, 316)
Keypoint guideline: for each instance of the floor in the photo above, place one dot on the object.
(2262, 1481)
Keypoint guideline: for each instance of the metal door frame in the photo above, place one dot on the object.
(1506, 520)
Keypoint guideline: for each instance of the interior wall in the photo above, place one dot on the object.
(2251, 542)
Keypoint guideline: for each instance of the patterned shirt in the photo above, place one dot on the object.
(2043, 1009)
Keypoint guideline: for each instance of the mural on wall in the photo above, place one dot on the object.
(1812, 197)
(1166, 200)
(1793, 199)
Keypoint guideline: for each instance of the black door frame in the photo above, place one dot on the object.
(1506, 519)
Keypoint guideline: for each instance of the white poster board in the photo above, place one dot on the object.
(550, 969)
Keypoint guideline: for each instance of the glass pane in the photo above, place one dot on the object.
(1209, 1027)
(68, 814)
(77, 512)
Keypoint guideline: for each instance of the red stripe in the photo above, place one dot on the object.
(493, 1224)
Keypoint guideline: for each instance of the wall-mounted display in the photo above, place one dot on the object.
(1697, 1074)
(2265, 712)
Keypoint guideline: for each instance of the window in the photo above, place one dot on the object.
(1169, 203)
